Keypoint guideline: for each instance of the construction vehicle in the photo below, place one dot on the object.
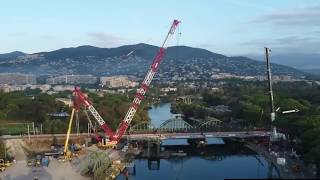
(106, 144)
(45, 161)
(31, 162)
(113, 138)
(38, 161)
(4, 164)
(66, 153)
(274, 136)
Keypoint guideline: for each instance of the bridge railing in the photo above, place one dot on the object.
(178, 125)
(191, 130)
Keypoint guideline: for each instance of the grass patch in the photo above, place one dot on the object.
(15, 128)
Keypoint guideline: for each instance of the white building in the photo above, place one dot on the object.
(63, 88)
(117, 82)
(168, 89)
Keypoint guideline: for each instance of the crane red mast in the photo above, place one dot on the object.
(144, 86)
(139, 96)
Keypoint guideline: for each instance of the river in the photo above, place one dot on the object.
(160, 113)
(217, 161)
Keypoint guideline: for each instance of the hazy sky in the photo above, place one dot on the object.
(231, 27)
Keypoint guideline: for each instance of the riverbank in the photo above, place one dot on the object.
(287, 171)
(122, 162)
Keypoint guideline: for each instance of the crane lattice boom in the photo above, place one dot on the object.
(144, 86)
(139, 96)
(81, 97)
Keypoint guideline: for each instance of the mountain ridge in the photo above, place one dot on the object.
(11, 55)
(98, 61)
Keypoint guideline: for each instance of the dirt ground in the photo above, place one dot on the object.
(15, 147)
(55, 171)
(22, 149)
(20, 171)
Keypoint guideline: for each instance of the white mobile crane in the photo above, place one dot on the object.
(274, 135)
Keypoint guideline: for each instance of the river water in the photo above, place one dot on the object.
(217, 161)
(159, 113)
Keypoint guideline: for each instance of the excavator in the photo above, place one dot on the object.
(113, 137)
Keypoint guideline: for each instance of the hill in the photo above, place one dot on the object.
(12, 55)
(180, 61)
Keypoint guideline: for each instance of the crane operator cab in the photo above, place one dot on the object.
(105, 143)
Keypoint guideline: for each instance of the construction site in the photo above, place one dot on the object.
(80, 156)
(40, 159)
(106, 152)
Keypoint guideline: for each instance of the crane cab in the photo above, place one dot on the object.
(107, 144)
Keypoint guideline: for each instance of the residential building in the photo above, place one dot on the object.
(58, 88)
(17, 78)
(117, 82)
(168, 89)
(72, 79)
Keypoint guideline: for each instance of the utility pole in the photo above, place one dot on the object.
(77, 123)
(34, 133)
(28, 133)
(5, 152)
(88, 129)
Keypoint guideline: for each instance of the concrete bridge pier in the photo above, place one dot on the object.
(153, 154)
(153, 150)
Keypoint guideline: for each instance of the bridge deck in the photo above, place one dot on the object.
(198, 135)
(186, 135)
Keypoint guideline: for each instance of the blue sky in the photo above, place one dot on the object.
(230, 27)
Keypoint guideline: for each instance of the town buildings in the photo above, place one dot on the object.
(117, 82)
(17, 78)
(72, 79)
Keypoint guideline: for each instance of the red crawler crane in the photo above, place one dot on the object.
(144, 86)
